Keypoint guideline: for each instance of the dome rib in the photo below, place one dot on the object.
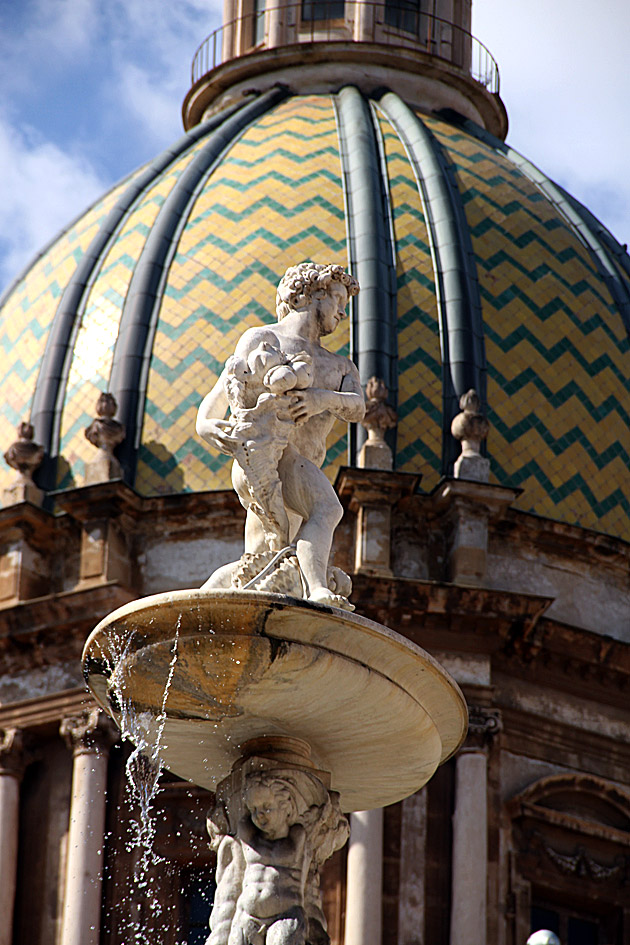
(48, 397)
(132, 354)
(371, 254)
(591, 233)
(456, 282)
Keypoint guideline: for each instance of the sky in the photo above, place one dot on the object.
(91, 89)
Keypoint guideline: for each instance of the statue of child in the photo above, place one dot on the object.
(270, 908)
(258, 391)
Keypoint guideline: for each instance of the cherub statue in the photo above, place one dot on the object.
(262, 426)
(311, 301)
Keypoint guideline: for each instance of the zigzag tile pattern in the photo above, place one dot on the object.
(275, 200)
(419, 435)
(28, 312)
(558, 354)
(94, 346)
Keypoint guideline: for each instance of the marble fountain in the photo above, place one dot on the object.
(263, 686)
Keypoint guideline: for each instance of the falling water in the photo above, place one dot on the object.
(143, 769)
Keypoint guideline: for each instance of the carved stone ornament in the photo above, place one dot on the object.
(24, 456)
(379, 417)
(12, 756)
(273, 827)
(283, 391)
(471, 428)
(105, 433)
(89, 732)
(582, 864)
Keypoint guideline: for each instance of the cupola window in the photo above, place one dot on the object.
(316, 10)
(259, 21)
(406, 15)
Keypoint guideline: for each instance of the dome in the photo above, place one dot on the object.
(476, 271)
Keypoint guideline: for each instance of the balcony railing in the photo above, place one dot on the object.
(329, 21)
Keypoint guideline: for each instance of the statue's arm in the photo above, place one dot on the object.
(211, 425)
(347, 403)
(352, 391)
(246, 830)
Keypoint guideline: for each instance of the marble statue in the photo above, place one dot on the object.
(262, 426)
(283, 391)
(284, 825)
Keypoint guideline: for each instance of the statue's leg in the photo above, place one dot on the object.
(308, 492)
(254, 543)
(222, 577)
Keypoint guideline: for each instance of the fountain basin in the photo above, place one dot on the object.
(378, 712)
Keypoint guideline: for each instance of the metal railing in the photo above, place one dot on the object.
(313, 21)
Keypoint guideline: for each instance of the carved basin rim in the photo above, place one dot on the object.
(378, 711)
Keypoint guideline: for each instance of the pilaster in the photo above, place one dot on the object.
(28, 541)
(107, 513)
(469, 507)
(372, 494)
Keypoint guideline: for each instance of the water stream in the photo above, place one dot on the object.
(145, 731)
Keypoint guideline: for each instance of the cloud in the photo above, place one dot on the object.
(41, 189)
(153, 45)
(103, 85)
(563, 81)
(42, 38)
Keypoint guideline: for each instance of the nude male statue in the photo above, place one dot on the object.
(270, 908)
(310, 303)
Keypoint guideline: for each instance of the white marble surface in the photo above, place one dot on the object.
(252, 664)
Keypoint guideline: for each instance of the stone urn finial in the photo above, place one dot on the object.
(105, 433)
(24, 456)
(471, 428)
(379, 417)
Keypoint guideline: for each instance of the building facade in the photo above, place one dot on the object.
(373, 135)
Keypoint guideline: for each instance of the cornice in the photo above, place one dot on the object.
(35, 713)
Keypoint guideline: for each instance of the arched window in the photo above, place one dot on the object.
(571, 847)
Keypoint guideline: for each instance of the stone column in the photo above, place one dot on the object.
(274, 31)
(470, 849)
(90, 736)
(364, 18)
(230, 8)
(365, 879)
(411, 898)
(11, 768)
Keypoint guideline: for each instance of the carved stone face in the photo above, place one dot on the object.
(330, 307)
(269, 810)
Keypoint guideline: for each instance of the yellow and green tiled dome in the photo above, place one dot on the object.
(476, 271)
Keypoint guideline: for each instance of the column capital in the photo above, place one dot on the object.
(89, 732)
(12, 753)
(483, 725)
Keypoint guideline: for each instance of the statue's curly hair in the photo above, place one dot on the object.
(282, 788)
(299, 283)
